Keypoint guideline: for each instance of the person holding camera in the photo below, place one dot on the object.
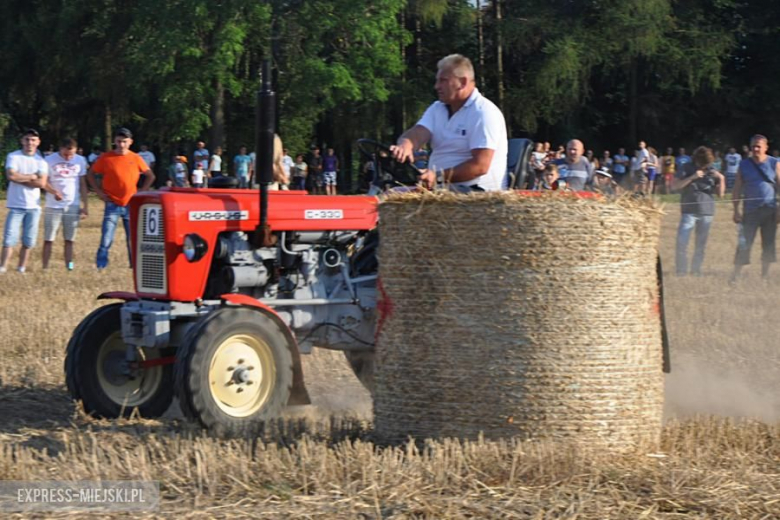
(699, 182)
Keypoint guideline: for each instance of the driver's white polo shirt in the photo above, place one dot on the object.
(478, 124)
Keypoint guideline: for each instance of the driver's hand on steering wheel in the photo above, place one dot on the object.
(403, 152)
(428, 179)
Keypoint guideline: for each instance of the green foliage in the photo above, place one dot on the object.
(558, 48)
(346, 68)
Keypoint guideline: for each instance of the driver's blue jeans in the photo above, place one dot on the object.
(111, 216)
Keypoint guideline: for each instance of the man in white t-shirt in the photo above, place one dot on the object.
(466, 131)
(148, 156)
(732, 165)
(66, 199)
(27, 172)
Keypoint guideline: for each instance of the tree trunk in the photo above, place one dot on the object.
(108, 129)
(217, 115)
(346, 168)
(633, 111)
(418, 41)
(499, 55)
(481, 44)
(403, 77)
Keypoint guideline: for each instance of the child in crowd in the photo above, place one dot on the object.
(198, 175)
(550, 180)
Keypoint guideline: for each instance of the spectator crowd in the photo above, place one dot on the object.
(65, 176)
(700, 178)
(645, 171)
(313, 172)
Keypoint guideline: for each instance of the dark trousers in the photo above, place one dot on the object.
(765, 219)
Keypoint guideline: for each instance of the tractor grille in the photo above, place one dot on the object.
(150, 269)
(153, 272)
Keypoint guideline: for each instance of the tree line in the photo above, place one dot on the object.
(610, 72)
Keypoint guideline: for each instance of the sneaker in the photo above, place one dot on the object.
(21, 269)
(2, 270)
(70, 266)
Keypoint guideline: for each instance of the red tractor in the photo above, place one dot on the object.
(228, 295)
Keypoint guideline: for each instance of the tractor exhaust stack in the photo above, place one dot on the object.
(265, 118)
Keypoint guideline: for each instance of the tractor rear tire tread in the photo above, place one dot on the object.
(71, 375)
(183, 354)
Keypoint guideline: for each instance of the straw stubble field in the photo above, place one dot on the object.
(322, 462)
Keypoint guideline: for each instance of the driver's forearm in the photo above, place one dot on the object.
(465, 171)
(417, 136)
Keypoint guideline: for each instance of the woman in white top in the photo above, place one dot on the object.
(215, 163)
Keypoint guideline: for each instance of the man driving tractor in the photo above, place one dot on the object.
(465, 129)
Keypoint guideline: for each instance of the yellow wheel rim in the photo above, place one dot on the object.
(121, 389)
(242, 375)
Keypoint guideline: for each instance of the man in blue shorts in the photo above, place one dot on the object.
(330, 169)
(27, 172)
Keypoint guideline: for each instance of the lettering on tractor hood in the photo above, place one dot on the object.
(200, 216)
(323, 214)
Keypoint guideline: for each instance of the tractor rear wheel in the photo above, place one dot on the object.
(97, 373)
(235, 371)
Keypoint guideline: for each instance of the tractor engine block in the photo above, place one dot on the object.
(309, 278)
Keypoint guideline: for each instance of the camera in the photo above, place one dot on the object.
(707, 183)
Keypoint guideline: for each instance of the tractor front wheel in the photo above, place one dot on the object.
(235, 371)
(98, 373)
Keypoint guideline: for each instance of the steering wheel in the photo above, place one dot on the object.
(387, 171)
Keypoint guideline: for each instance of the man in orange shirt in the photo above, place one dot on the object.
(121, 169)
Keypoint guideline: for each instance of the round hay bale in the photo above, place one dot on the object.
(518, 315)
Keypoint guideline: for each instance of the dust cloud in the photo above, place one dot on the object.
(333, 388)
(696, 388)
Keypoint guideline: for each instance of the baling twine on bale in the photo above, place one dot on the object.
(517, 315)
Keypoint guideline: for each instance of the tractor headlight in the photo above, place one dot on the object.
(194, 247)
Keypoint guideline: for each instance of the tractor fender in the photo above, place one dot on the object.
(119, 295)
(298, 395)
